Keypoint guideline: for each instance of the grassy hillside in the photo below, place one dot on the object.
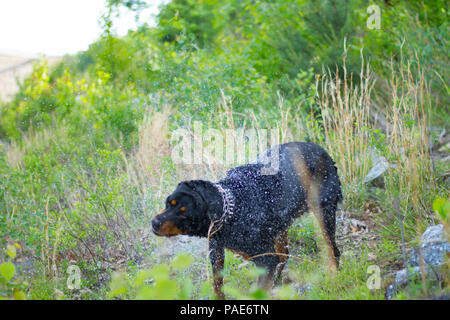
(86, 146)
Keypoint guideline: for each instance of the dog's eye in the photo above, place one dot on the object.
(173, 202)
(182, 209)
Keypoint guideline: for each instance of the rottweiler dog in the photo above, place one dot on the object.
(249, 211)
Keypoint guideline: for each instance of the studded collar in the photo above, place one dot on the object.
(228, 202)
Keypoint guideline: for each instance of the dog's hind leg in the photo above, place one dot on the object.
(268, 260)
(327, 216)
(317, 186)
(325, 212)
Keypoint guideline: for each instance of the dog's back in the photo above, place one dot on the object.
(268, 203)
(282, 188)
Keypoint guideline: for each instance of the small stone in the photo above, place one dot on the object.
(402, 276)
(433, 247)
(433, 234)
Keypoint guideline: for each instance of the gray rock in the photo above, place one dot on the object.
(404, 275)
(380, 165)
(391, 291)
(401, 279)
(445, 148)
(25, 267)
(377, 170)
(305, 289)
(433, 234)
(433, 247)
(433, 254)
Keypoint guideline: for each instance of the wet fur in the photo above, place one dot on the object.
(265, 207)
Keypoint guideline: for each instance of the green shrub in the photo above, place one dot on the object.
(9, 286)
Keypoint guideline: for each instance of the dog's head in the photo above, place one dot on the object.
(184, 212)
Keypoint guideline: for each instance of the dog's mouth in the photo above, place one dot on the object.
(170, 233)
(156, 232)
(164, 235)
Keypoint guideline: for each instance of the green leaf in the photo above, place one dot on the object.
(141, 276)
(182, 261)
(166, 290)
(118, 285)
(159, 272)
(442, 208)
(146, 293)
(285, 291)
(438, 204)
(186, 289)
(206, 289)
(7, 270)
(19, 295)
(230, 290)
(259, 294)
(256, 272)
(11, 251)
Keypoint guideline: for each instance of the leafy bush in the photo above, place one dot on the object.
(164, 282)
(10, 287)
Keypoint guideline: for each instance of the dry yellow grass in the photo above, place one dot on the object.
(144, 167)
(14, 155)
(346, 116)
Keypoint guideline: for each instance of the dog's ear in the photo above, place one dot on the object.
(195, 189)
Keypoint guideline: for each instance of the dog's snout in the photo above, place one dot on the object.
(156, 224)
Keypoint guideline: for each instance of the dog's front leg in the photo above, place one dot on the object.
(217, 257)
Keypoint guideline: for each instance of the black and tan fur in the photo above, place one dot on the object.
(264, 208)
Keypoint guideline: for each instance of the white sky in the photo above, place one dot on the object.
(57, 27)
